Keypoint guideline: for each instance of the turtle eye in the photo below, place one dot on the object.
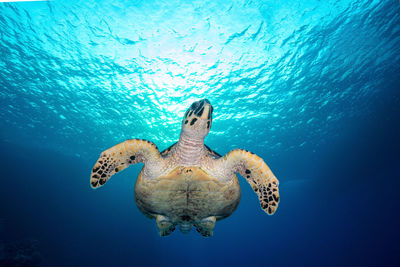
(186, 113)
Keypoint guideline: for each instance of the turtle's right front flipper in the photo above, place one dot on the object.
(119, 157)
(257, 174)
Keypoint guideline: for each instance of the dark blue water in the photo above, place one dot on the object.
(312, 87)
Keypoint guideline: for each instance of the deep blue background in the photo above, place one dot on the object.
(313, 88)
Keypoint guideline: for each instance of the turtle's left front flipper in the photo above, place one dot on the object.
(119, 157)
(257, 174)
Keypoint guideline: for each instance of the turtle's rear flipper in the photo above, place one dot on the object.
(118, 157)
(206, 226)
(257, 174)
(164, 225)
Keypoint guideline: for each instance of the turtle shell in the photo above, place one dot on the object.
(187, 194)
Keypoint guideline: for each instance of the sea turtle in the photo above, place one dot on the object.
(189, 184)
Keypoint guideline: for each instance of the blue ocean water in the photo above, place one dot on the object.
(310, 86)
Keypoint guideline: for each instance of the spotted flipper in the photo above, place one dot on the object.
(257, 174)
(121, 156)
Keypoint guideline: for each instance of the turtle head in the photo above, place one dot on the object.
(198, 118)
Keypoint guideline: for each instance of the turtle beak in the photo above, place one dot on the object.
(207, 109)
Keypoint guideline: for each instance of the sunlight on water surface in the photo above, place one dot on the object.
(280, 75)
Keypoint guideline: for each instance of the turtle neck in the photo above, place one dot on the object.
(189, 149)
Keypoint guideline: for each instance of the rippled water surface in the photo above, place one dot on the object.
(88, 73)
(310, 86)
